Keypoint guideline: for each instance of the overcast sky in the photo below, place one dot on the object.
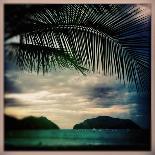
(67, 97)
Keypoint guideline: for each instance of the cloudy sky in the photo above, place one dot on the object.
(67, 97)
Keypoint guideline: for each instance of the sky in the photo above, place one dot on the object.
(67, 97)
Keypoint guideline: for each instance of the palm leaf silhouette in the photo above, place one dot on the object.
(113, 39)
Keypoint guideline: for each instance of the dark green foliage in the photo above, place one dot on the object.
(34, 58)
(111, 39)
(106, 122)
(30, 122)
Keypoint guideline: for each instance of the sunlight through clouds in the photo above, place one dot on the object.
(67, 97)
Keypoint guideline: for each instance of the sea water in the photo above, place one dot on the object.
(69, 138)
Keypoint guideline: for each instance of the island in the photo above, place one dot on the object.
(106, 122)
(30, 122)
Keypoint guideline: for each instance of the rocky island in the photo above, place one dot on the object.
(31, 122)
(106, 122)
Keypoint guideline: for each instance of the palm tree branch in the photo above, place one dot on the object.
(104, 38)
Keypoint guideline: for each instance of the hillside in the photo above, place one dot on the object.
(106, 122)
(30, 122)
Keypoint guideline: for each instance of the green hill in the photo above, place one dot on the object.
(106, 122)
(30, 122)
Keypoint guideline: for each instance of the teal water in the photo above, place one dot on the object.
(76, 138)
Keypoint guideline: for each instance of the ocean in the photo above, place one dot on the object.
(82, 139)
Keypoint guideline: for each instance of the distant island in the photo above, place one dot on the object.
(100, 122)
(106, 122)
(30, 122)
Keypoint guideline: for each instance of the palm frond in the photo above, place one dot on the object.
(42, 58)
(113, 39)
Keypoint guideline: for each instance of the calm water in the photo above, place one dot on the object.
(57, 139)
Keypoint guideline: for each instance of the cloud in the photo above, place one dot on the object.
(67, 97)
(107, 96)
(11, 86)
(11, 102)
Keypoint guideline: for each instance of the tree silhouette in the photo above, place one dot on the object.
(113, 39)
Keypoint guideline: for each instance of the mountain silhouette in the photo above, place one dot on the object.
(30, 122)
(106, 122)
